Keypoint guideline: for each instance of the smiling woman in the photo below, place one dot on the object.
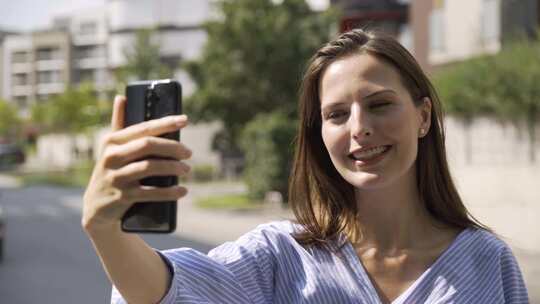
(378, 217)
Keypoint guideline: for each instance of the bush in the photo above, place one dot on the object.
(267, 144)
(203, 173)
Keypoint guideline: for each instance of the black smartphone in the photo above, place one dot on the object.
(147, 100)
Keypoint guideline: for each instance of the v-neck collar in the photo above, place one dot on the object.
(367, 285)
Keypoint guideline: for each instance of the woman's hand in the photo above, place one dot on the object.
(114, 185)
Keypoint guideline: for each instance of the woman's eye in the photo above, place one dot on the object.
(379, 105)
(336, 115)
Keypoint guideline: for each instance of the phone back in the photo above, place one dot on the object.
(148, 100)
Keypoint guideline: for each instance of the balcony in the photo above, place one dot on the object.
(21, 90)
(50, 65)
(17, 68)
(91, 63)
(50, 88)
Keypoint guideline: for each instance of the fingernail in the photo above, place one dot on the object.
(180, 120)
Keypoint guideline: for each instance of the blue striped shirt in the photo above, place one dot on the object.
(267, 265)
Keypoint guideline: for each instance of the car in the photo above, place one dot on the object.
(11, 155)
(2, 233)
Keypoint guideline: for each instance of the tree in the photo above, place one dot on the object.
(143, 59)
(75, 110)
(9, 121)
(253, 61)
(248, 77)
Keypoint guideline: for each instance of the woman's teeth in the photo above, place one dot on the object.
(369, 153)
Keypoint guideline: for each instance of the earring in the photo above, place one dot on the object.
(422, 131)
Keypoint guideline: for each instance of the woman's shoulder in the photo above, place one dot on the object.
(271, 232)
(484, 242)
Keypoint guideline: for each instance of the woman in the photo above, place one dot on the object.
(378, 217)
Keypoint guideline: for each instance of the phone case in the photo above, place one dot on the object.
(148, 100)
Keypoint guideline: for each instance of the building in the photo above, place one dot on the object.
(88, 30)
(450, 31)
(439, 32)
(90, 46)
(177, 29)
(35, 66)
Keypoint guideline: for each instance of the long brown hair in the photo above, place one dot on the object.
(322, 201)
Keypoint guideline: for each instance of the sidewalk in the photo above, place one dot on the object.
(216, 226)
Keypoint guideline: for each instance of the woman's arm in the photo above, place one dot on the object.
(132, 266)
(136, 270)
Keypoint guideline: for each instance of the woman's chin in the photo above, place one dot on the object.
(366, 181)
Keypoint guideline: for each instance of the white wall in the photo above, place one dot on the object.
(469, 27)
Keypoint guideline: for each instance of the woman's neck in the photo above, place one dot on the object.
(392, 219)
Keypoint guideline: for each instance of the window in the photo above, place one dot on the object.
(436, 26)
(490, 21)
(84, 76)
(20, 79)
(92, 51)
(19, 57)
(88, 28)
(45, 77)
(48, 53)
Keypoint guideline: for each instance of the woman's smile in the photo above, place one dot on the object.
(369, 157)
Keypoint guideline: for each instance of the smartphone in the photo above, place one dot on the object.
(147, 100)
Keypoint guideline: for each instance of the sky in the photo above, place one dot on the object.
(28, 15)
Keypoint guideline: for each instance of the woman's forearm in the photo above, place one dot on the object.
(137, 271)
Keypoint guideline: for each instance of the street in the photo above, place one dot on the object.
(48, 258)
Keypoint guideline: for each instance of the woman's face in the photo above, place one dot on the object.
(370, 125)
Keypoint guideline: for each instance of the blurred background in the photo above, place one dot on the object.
(240, 63)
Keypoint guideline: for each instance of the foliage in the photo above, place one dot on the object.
(9, 121)
(230, 201)
(77, 176)
(267, 141)
(203, 173)
(504, 85)
(75, 110)
(143, 60)
(252, 62)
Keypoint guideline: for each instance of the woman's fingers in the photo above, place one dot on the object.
(117, 120)
(147, 147)
(132, 173)
(153, 127)
(155, 194)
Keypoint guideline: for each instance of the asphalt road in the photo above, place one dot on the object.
(48, 258)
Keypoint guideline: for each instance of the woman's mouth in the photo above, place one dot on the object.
(370, 156)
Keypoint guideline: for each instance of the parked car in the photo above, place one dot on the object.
(2, 233)
(11, 155)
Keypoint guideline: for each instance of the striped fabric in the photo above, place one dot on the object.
(267, 265)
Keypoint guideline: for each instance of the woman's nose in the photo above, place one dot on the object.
(360, 124)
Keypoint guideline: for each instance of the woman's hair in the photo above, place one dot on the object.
(322, 201)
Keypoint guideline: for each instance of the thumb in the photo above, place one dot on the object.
(117, 120)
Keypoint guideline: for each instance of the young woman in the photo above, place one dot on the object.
(379, 219)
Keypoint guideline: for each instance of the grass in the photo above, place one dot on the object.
(77, 176)
(228, 202)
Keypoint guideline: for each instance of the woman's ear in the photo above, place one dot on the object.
(425, 116)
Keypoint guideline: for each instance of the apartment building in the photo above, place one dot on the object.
(91, 44)
(449, 31)
(35, 66)
(177, 29)
(88, 30)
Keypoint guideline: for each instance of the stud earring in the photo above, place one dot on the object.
(422, 131)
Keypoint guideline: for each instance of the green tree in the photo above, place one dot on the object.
(9, 121)
(143, 59)
(248, 77)
(253, 61)
(75, 110)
